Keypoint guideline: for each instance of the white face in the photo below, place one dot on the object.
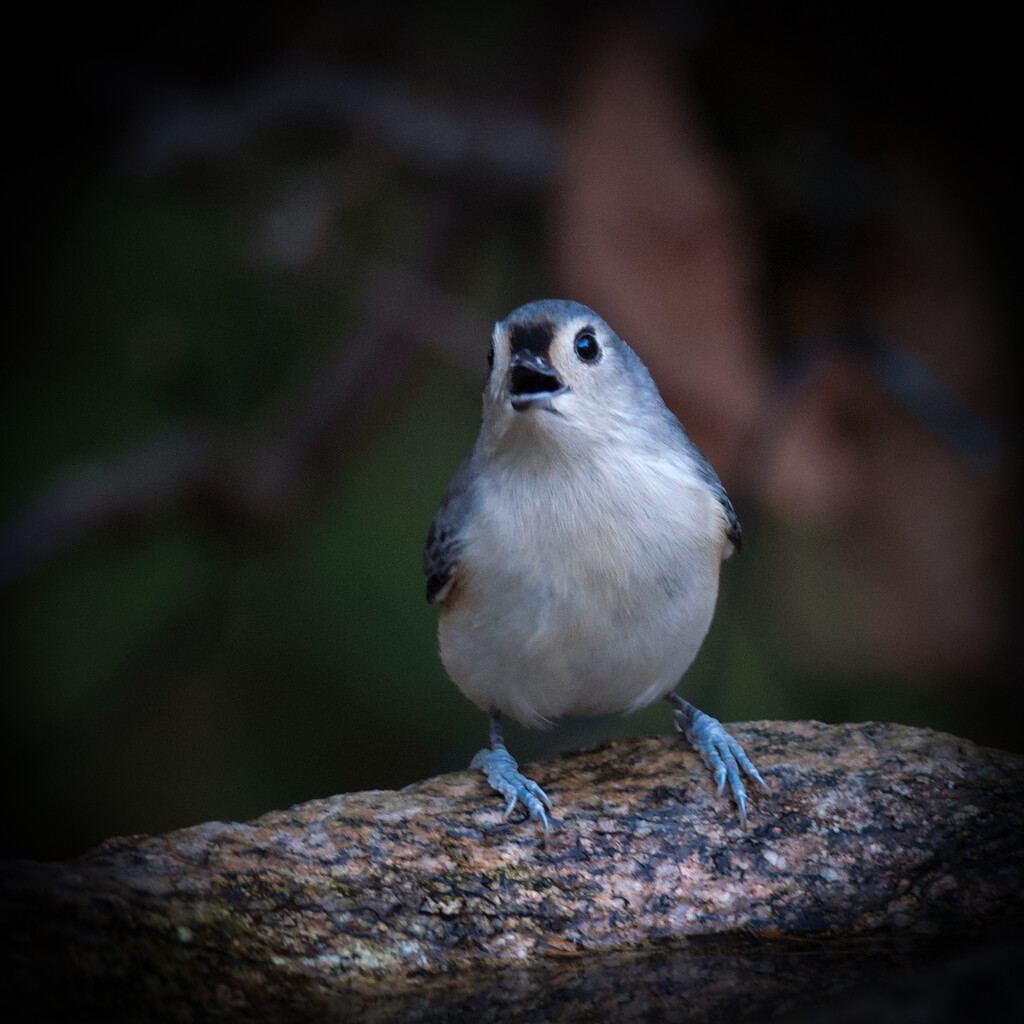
(543, 367)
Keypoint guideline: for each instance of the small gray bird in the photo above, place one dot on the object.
(576, 554)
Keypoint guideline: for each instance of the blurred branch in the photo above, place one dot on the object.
(513, 148)
(911, 382)
(422, 904)
(270, 472)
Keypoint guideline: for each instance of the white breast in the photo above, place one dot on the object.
(582, 589)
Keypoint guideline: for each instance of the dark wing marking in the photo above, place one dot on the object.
(444, 539)
(735, 531)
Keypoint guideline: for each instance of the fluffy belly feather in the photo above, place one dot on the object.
(539, 651)
(578, 593)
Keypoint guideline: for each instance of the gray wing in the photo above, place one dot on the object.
(665, 420)
(734, 532)
(444, 539)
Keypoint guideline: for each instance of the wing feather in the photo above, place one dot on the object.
(444, 539)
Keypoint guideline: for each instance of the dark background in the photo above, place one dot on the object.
(253, 259)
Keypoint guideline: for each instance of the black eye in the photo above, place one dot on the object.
(586, 346)
(490, 355)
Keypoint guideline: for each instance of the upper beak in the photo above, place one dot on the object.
(532, 380)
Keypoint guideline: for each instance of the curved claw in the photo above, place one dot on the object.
(504, 777)
(719, 751)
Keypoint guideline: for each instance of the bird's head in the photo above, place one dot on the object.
(556, 364)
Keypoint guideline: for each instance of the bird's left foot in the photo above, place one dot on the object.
(504, 776)
(719, 751)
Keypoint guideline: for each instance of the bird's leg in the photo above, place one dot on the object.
(504, 776)
(719, 751)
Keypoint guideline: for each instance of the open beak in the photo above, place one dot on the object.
(532, 381)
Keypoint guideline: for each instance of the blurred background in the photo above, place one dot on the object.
(253, 262)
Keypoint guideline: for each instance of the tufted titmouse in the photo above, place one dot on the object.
(577, 551)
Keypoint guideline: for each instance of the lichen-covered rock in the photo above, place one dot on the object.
(423, 903)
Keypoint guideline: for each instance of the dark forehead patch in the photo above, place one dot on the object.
(534, 337)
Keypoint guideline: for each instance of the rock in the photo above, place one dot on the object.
(878, 844)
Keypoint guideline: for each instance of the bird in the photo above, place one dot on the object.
(576, 554)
